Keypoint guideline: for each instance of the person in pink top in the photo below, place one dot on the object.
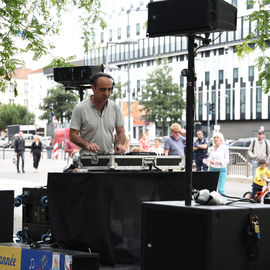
(71, 148)
(144, 143)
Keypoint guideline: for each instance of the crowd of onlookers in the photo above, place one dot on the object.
(212, 156)
(207, 157)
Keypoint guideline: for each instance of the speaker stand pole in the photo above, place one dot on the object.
(189, 119)
(81, 94)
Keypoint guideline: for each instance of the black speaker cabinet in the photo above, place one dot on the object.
(176, 17)
(179, 237)
(35, 219)
(75, 76)
(7, 215)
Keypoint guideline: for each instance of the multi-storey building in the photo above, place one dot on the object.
(224, 79)
(31, 88)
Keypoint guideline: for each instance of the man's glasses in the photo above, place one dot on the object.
(177, 131)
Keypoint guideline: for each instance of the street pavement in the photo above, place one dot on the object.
(11, 180)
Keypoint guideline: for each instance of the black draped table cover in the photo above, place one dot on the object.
(101, 211)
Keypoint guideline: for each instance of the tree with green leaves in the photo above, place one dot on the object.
(60, 102)
(162, 100)
(30, 26)
(260, 38)
(15, 114)
(117, 90)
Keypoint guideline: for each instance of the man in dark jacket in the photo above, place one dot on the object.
(200, 150)
(19, 149)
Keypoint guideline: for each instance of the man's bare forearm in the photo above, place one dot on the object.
(76, 138)
(120, 136)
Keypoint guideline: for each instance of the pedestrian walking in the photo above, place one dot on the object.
(36, 150)
(258, 149)
(19, 148)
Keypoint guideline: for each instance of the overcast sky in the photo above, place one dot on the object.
(68, 43)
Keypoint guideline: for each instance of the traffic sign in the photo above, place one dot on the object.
(54, 121)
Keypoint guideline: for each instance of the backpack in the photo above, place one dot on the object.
(266, 147)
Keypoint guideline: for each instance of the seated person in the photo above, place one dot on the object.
(157, 148)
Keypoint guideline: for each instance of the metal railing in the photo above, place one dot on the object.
(239, 164)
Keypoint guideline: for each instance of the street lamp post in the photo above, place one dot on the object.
(107, 68)
(128, 85)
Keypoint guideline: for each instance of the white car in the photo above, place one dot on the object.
(3, 142)
(46, 141)
(28, 138)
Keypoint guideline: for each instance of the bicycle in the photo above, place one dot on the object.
(265, 193)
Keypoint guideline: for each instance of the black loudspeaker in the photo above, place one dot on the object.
(175, 236)
(7, 215)
(75, 76)
(193, 16)
(35, 219)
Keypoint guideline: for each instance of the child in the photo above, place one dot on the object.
(260, 178)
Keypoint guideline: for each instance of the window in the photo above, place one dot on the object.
(228, 104)
(234, 3)
(137, 29)
(214, 98)
(207, 54)
(128, 31)
(221, 76)
(207, 77)
(181, 81)
(110, 35)
(251, 73)
(258, 103)
(221, 51)
(119, 33)
(200, 109)
(102, 37)
(138, 87)
(251, 103)
(242, 103)
(250, 4)
(235, 75)
(233, 104)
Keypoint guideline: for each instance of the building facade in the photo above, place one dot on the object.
(240, 106)
(32, 87)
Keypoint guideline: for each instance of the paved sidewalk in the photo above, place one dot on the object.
(11, 180)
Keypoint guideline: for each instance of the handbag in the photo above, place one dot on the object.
(14, 159)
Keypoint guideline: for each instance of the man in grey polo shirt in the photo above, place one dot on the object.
(94, 120)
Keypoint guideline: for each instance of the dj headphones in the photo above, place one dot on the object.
(93, 78)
